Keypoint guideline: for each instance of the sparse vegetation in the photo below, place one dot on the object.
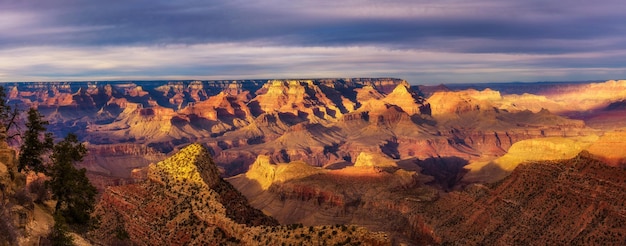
(59, 236)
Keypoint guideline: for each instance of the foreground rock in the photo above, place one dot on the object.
(578, 201)
(184, 201)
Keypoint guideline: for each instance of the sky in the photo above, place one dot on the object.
(422, 41)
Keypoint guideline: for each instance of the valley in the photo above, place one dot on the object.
(394, 163)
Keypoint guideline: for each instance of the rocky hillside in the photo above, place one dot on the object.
(578, 201)
(184, 201)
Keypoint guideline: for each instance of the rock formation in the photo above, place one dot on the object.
(373, 160)
(184, 201)
(449, 102)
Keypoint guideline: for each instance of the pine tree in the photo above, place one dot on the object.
(5, 109)
(36, 143)
(71, 188)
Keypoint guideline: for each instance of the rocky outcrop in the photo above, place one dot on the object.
(8, 169)
(408, 100)
(229, 104)
(456, 102)
(184, 201)
(266, 174)
(373, 160)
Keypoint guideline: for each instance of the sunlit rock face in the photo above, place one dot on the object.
(266, 174)
(368, 93)
(539, 149)
(221, 106)
(611, 148)
(407, 99)
(373, 160)
(589, 96)
(448, 102)
(298, 98)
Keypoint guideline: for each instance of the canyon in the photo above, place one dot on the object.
(376, 161)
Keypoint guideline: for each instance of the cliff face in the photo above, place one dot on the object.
(184, 201)
(297, 98)
(8, 168)
(449, 102)
(539, 149)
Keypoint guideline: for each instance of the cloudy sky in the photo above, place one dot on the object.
(423, 41)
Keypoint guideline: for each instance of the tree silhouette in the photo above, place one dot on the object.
(8, 117)
(36, 143)
(71, 188)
